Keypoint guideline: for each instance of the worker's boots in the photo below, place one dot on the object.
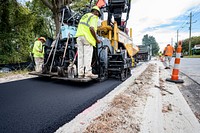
(92, 76)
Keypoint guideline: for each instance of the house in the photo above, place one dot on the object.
(197, 46)
(196, 49)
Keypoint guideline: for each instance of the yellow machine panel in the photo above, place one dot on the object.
(115, 35)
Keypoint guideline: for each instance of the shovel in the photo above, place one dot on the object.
(71, 70)
(61, 68)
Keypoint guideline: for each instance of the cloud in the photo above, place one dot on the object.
(159, 18)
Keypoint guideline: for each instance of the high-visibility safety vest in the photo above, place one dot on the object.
(36, 48)
(169, 51)
(88, 20)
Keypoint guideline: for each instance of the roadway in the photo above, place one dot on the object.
(41, 105)
(190, 67)
(190, 73)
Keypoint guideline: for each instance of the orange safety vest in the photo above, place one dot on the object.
(169, 51)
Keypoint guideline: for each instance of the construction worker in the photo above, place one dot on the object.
(168, 52)
(160, 56)
(38, 53)
(86, 40)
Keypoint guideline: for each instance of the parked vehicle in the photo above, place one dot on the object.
(144, 53)
(5, 70)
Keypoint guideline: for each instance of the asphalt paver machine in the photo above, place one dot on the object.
(113, 57)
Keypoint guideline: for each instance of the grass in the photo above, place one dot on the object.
(13, 73)
(192, 56)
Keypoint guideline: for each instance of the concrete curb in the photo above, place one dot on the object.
(153, 109)
(152, 113)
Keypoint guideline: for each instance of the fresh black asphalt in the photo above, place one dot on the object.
(42, 105)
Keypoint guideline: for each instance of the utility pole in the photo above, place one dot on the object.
(172, 41)
(190, 28)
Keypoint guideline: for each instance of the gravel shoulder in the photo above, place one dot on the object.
(14, 77)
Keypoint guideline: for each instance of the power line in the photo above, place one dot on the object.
(183, 25)
(198, 13)
(186, 29)
(195, 12)
(197, 19)
(183, 28)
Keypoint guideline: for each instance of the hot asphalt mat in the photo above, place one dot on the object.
(41, 105)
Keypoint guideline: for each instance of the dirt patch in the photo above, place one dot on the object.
(14, 76)
(126, 109)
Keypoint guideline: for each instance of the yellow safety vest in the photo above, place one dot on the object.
(36, 48)
(88, 20)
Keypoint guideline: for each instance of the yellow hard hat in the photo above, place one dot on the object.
(42, 38)
(96, 8)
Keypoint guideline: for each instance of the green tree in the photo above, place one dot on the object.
(185, 46)
(14, 32)
(55, 6)
(43, 24)
(20, 25)
(83, 3)
(18, 28)
(151, 41)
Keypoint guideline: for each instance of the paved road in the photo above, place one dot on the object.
(190, 67)
(42, 106)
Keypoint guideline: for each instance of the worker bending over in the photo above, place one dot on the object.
(86, 40)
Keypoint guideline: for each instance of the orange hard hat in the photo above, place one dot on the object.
(42, 38)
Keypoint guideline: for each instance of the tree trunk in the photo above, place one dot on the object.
(55, 6)
(57, 22)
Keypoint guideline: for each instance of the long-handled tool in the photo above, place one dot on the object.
(71, 70)
(58, 36)
(66, 45)
(52, 47)
(60, 68)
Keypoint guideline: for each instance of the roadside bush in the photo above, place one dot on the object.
(197, 52)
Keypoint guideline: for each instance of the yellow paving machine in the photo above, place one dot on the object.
(112, 58)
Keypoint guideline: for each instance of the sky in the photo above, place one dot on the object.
(23, 1)
(162, 18)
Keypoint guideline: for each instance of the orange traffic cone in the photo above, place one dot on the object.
(174, 78)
